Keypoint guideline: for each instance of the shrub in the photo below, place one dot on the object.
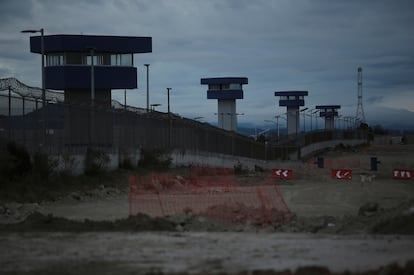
(126, 163)
(95, 161)
(240, 169)
(155, 158)
(68, 163)
(14, 162)
(43, 167)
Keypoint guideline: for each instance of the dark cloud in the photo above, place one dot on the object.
(390, 118)
(314, 45)
(12, 10)
(374, 99)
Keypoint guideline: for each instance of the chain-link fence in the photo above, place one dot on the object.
(63, 128)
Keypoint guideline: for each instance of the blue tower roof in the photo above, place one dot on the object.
(83, 43)
(224, 80)
(291, 93)
(328, 107)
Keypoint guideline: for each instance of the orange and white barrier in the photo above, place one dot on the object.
(278, 173)
(402, 174)
(343, 174)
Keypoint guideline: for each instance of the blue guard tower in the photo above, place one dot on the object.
(329, 112)
(292, 100)
(226, 90)
(87, 68)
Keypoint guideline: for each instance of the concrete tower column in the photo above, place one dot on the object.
(292, 100)
(293, 119)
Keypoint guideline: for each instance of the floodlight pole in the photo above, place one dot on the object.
(148, 106)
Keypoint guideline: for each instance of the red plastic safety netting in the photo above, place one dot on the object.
(210, 192)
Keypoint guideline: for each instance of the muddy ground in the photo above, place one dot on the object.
(338, 225)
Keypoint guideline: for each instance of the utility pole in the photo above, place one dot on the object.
(360, 116)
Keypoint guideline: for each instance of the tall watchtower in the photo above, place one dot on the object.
(329, 112)
(87, 68)
(226, 90)
(292, 100)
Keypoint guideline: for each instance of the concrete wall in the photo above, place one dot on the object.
(75, 163)
(186, 158)
(315, 147)
(387, 140)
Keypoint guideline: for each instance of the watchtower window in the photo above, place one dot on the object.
(235, 86)
(122, 59)
(214, 86)
(97, 60)
(225, 86)
(54, 60)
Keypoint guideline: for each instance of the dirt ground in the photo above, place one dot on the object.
(199, 253)
(90, 232)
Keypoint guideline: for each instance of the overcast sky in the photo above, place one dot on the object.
(314, 45)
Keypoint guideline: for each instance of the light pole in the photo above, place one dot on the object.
(277, 122)
(92, 52)
(147, 65)
(124, 99)
(316, 118)
(168, 91)
(42, 50)
(303, 110)
(338, 119)
(310, 114)
(277, 125)
(169, 119)
(92, 111)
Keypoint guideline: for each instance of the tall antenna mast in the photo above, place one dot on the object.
(360, 117)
